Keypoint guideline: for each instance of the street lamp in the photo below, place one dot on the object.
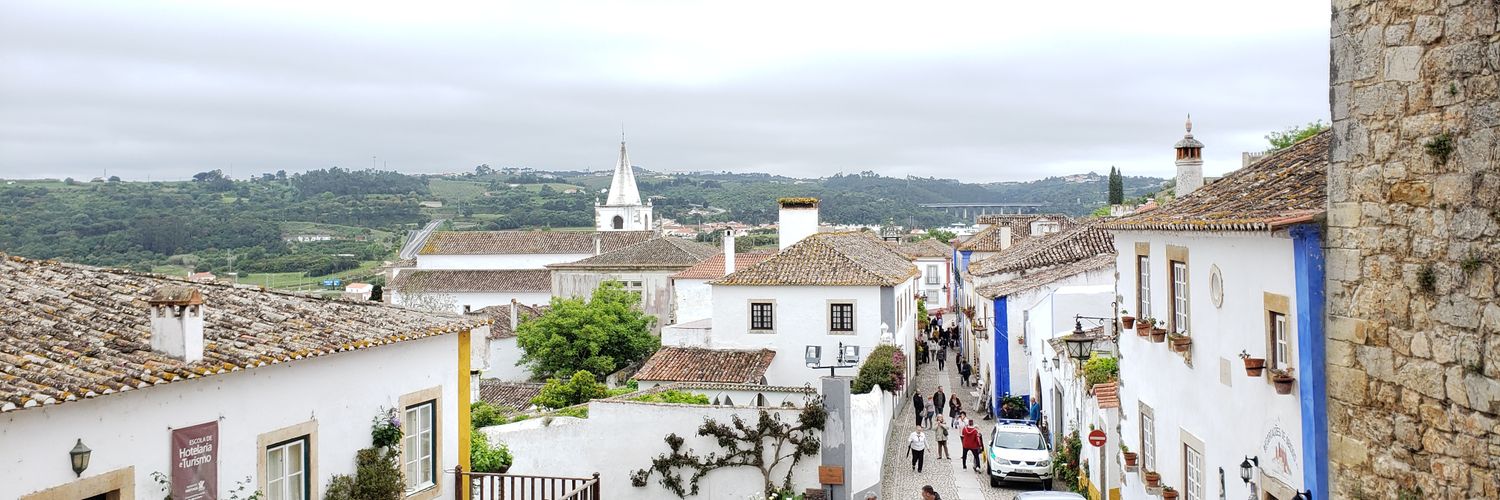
(80, 456)
(1247, 467)
(847, 357)
(1079, 345)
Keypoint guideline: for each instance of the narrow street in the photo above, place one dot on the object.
(947, 476)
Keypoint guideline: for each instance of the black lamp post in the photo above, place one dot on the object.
(1079, 345)
(80, 456)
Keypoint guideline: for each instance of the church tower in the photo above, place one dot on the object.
(1189, 162)
(622, 209)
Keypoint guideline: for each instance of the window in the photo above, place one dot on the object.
(1193, 465)
(418, 459)
(933, 278)
(1179, 297)
(286, 470)
(841, 317)
(932, 298)
(1281, 351)
(762, 316)
(1148, 438)
(1143, 291)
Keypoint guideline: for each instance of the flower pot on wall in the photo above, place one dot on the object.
(1128, 321)
(1168, 494)
(1181, 343)
(1158, 335)
(1284, 383)
(1143, 329)
(1152, 479)
(1130, 458)
(1254, 366)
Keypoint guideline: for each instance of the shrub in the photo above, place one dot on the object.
(377, 476)
(675, 397)
(385, 429)
(885, 367)
(482, 414)
(581, 388)
(1100, 369)
(1065, 461)
(487, 458)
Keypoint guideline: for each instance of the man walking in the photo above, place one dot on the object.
(916, 406)
(938, 400)
(972, 442)
(963, 372)
(942, 354)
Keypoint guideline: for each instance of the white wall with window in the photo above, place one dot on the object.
(935, 274)
(1197, 401)
(278, 425)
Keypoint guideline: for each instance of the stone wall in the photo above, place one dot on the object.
(1414, 250)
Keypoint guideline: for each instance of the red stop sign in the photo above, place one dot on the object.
(1096, 437)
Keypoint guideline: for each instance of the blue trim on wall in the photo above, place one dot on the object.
(965, 258)
(1001, 329)
(1307, 250)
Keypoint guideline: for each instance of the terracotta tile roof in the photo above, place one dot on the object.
(1046, 276)
(514, 395)
(713, 267)
(662, 252)
(692, 364)
(473, 280)
(1285, 187)
(928, 248)
(71, 332)
(528, 242)
(988, 239)
(1070, 245)
(828, 259)
(501, 329)
(1108, 394)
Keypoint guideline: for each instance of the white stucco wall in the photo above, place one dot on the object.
(1213, 399)
(502, 361)
(580, 447)
(498, 261)
(944, 275)
(870, 427)
(133, 428)
(476, 300)
(692, 299)
(801, 319)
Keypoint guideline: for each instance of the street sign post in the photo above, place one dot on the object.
(1096, 437)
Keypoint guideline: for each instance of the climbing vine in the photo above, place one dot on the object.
(767, 445)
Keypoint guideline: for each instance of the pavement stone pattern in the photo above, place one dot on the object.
(952, 481)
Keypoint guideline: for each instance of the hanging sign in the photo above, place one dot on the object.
(195, 462)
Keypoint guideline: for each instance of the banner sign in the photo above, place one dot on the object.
(195, 462)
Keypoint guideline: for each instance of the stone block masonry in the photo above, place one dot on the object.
(1414, 250)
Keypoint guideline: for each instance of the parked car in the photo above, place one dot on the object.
(1019, 452)
(1049, 495)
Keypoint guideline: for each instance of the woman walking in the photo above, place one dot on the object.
(917, 444)
(955, 407)
(916, 407)
(941, 433)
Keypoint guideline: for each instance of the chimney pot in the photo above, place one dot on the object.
(728, 243)
(515, 316)
(177, 322)
(798, 219)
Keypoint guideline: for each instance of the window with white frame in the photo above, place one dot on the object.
(286, 470)
(1148, 439)
(1193, 472)
(841, 317)
(762, 316)
(1143, 291)
(1179, 297)
(418, 455)
(1281, 350)
(933, 277)
(932, 297)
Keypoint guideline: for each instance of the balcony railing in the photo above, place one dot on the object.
(495, 486)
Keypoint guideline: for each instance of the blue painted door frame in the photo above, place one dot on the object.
(1001, 333)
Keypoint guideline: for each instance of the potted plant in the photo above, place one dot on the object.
(1167, 493)
(1143, 326)
(1283, 380)
(1130, 456)
(1158, 334)
(1152, 479)
(1181, 342)
(1253, 366)
(1127, 319)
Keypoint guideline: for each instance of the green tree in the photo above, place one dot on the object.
(579, 389)
(1293, 134)
(602, 335)
(1116, 186)
(941, 235)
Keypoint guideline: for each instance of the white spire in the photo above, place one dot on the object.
(622, 190)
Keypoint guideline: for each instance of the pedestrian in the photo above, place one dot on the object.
(916, 445)
(941, 434)
(930, 494)
(938, 399)
(942, 354)
(927, 420)
(963, 372)
(955, 407)
(972, 443)
(916, 406)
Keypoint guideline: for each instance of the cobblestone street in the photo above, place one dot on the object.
(947, 476)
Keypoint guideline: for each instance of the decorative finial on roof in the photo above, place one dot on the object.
(1189, 125)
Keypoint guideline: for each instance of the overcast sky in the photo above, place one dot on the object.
(982, 91)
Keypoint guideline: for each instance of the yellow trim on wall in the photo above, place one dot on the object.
(464, 419)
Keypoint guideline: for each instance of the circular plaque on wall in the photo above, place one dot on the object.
(1216, 286)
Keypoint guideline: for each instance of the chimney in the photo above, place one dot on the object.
(598, 244)
(1189, 162)
(798, 219)
(728, 243)
(1004, 237)
(515, 316)
(177, 322)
